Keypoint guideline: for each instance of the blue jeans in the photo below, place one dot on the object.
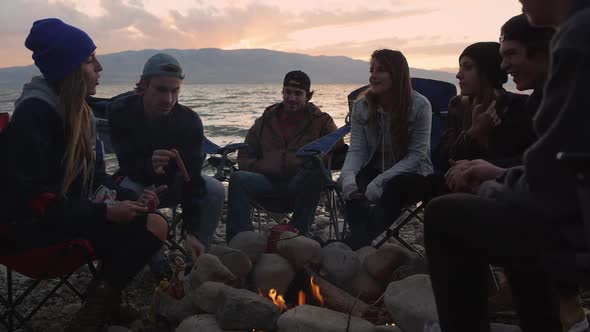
(302, 192)
(209, 206)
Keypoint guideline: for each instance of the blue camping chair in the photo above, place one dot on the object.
(439, 94)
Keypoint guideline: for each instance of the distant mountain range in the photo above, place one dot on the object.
(211, 66)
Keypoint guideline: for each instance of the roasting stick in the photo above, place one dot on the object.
(181, 165)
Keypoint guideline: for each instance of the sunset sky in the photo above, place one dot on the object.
(431, 33)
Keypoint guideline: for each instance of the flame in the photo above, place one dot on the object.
(278, 300)
(315, 290)
(301, 298)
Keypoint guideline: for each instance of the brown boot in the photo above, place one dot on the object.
(95, 311)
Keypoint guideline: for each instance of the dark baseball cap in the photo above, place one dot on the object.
(162, 64)
(297, 79)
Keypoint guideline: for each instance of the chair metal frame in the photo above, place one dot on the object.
(13, 318)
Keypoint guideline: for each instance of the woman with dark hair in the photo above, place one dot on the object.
(390, 142)
(51, 168)
(485, 121)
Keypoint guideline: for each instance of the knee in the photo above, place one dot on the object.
(237, 178)
(157, 226)
(215, 190)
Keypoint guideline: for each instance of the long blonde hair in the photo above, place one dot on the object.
(79, 156)
(401, 89)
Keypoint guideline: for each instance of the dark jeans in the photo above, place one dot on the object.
(123, 249)
(367, 222)
(302, 193)
(464, 233)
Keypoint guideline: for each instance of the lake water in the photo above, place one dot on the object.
(228, 111)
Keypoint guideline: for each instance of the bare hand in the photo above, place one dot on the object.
(483, 122)
(125, 211)
(194, 246)
(468, 175)
(160, 159)
(150, 199)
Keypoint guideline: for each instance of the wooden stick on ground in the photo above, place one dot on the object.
(336, 298)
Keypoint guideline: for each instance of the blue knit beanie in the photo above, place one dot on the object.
(58, 48)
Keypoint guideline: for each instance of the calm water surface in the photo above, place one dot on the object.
(228, 111)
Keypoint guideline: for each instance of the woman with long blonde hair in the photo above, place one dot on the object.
(388, 157)
(53, 180)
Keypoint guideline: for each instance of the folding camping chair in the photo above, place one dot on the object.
(58, 261)
(39, 264)
(439, 94)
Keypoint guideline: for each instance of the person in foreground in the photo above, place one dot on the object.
(528, 218)
(388, 157)
(51, 169)
(145, 128)
(270, 168)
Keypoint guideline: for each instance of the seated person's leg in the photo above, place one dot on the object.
(400, 191)
(210, 209)
(243, 188)
(358, 212)
(464, 233)
(306, 189)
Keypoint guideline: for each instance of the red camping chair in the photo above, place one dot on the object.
(57, 261)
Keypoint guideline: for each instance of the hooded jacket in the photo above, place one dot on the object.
(33, 146)
(269, 154)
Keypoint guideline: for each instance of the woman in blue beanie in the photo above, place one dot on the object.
(50, 169)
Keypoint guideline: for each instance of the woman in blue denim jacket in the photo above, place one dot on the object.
(389, 150)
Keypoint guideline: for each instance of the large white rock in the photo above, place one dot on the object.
(273, 271)
(365, 286)
(312, 318)
(411, 302)
(236, 261)
(199, 323)
(382, 263)
(251, 243)
(244, 310)
(339, 263)
(209, 268)
(494, 327)
(297, 249)
(208, 296)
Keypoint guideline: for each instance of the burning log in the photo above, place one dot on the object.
(337, 299)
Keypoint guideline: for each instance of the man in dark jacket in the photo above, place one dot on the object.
(270, 168)
(147, 129)
(526, 215)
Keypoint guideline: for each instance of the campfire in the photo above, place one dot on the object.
(279, 299)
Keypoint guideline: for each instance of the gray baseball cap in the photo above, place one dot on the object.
(162, 64)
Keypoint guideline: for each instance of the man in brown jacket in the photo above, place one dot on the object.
(269, 169)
